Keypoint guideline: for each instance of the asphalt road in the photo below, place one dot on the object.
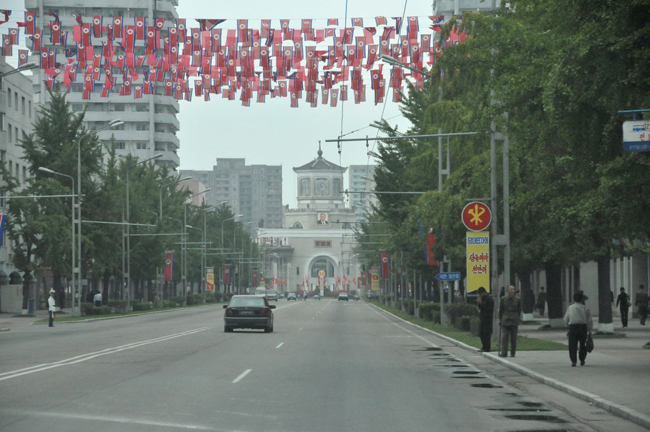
(328, 366)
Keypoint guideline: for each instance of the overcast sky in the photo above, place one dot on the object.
(273, 133)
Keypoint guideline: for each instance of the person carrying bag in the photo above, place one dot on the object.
(578, 319)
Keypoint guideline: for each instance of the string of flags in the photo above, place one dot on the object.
(136, 57)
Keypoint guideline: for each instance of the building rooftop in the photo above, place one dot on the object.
(320, 164)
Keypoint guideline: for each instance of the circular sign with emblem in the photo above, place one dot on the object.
(476, 216)
(321, 273)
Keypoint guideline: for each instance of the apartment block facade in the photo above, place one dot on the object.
(150, 123)
(360, 183)
(255, 191)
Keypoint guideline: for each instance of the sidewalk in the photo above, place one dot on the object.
(616, 376)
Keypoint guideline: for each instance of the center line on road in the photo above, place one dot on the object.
(300, 329)
(242, 376)
(279, 345)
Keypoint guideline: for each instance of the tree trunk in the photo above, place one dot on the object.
(605, 323)
(527, 296)
(554, 294)
(26, 290)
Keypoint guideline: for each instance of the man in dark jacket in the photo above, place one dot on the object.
(541, 301)
(485, 304)
(509, 312)
(624, 301)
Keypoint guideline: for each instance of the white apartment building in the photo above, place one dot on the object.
(361, 181)
(150, 123)
(16, 116)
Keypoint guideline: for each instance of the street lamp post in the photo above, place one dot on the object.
(241, 263)
(183, 247)
(128, 229)
(72, 206)
(202, 249)
(224, 221)
(112, 123)
(169, 184)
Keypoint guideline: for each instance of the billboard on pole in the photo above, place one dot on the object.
(478, 261)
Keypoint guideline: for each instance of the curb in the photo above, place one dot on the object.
(129, 316)
(614, 408)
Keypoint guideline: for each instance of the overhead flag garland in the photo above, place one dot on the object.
(267, 58)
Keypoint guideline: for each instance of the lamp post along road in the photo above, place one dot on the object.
(72, 207)
(128, 229)
(77, 269)
(183, 245)
(169, 184)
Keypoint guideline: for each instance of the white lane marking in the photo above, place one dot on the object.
(300, 329)
(279, 345)
(122, 420)
(92, 355)
(242, 376)
(400, 336)
(400, 327)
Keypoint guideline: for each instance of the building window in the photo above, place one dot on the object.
(141, 146)
(29, 103)
(336, 185)
(119, 145)
(142, 108)
(22, 107)
(304, 187)
(10, 138)
(77, 107)
(297, 225)
(142, 126)
(322, 264)
(117, 107)
(16, 101)
(8, 96)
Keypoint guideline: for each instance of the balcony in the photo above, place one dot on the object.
(167, 137)
(125, 116)
(167, 119)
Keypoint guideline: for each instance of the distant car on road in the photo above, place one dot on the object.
(291, 296)
(248, 311)
(344, 296)
(271, 295)
(355, 297)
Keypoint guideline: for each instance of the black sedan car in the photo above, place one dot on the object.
(248, 311)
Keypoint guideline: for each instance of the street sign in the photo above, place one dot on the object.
(636, 136)
(476, 216)
(451, 276)
(478, 261)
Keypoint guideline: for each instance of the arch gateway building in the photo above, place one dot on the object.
(314, 247)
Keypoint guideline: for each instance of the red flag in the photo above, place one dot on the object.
(431, 241)
(169, 264)
(29, 23)
(22, 57)
(357, 22)
(226, 274)
(117, 27)
(139, 28)
(97, 26)
(385, 265)
(254, 278)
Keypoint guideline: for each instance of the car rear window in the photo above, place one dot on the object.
(246, 301)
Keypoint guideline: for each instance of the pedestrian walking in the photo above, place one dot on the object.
(485, 304)
(51, 303)
(509, 312)
(541, 301)
(98, 299)
(624, 301)
(641, 303)
(578, 319)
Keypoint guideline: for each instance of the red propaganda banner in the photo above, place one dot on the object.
(254, 278)
(431, 241)
(272, 284)
(226, 274)
(385, 265)
(169, 265)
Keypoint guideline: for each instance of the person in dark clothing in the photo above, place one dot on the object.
(624, 301)
(485, 304)
(509, 312)
(541, 301)
(641, 303)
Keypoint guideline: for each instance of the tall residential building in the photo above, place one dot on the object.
(255, 191)
(150, 123)
(361, 179)
(450, 8)
(16, 116)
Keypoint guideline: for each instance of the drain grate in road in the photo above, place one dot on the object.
(520, 409)
(467, 372)
(428, 349)
(533, 417)
(531, 404)
(452, 365)
(486, 385)
(468, 377)
(545, 430)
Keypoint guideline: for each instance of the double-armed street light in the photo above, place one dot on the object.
(128, 228)
(224, 221)
(184, 240)
(169, 184)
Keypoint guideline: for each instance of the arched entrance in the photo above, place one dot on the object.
(326, 264)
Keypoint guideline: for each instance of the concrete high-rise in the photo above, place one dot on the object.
(255, 191)
(360, 183)
(150, 123)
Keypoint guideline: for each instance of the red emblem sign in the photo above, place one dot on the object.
(476, 216)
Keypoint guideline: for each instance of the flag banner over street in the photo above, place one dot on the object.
(293, 59)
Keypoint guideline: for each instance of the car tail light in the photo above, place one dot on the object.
(229, 312)
(264, 312)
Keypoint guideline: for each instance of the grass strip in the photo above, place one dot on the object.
(524, 343)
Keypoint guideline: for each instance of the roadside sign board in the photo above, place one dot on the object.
(476, 216)
(636, 136)
(210, 279)
(452, 276)
(374, 278)
(478, 261)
